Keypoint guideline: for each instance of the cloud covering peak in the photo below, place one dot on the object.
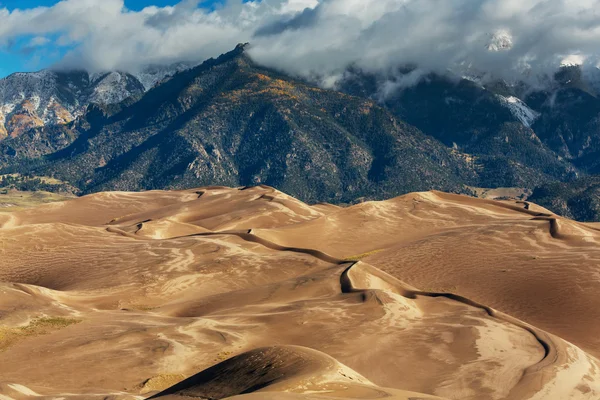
(320, 38)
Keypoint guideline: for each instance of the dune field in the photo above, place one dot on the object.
(249, 294)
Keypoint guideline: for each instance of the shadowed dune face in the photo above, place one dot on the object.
(255, 295)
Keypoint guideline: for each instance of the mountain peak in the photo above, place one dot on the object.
(242, 46)
(500, 41)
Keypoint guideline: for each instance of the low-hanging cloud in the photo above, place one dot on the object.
(319, 39)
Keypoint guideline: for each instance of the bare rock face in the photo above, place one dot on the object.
(29, 100)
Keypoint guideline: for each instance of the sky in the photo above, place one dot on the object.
(318, 39)
(13, 59)
(130, 4)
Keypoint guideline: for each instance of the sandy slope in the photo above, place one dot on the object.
(122, 295)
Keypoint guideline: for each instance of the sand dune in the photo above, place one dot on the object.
(255, 295)
(274, 371)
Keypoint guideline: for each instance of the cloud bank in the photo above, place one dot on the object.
(320, 38)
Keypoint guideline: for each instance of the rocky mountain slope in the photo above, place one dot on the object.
(517, 135)
(30, 100)
(579, 199)
(505, 135)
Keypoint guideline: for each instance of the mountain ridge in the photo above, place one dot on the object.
(230, 121)
(54, 97)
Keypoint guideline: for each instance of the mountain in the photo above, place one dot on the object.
(30, 100)
(154, 74)
(569, 120)
(564, 115)
(518, 135)
(579, 200)
(489, 123)
(232, 122)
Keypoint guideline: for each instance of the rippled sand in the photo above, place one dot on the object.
(249, 293)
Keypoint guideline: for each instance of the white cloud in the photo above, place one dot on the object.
(437, 35)
(321, 37)
(38, 41)
(293, 6)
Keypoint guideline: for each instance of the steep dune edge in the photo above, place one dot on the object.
(361, 277)
(250, 237)
(273, 371)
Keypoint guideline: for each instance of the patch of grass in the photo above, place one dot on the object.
(37, 327)
(41, 324)
(15, 200)
(222, 356)
(140, 307)
(160, 382)
(44, 179)
(359, 257)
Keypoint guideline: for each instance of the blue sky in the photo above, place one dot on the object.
(131, 4)
(18, 56)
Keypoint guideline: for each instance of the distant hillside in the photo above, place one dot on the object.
(579, 200)
(31, 100)
(489, 123)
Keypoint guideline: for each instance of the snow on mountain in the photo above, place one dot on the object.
(500, 41)
(519, 109)
(113, 87)
(150, 76)
(47, 97)
(572, 60)
(29, 100)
